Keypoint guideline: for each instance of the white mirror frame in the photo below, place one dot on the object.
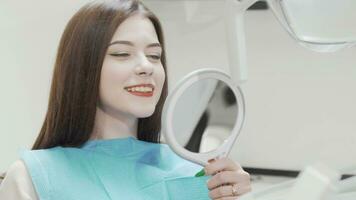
(168, 112)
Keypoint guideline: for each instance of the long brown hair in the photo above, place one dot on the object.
(75, 85)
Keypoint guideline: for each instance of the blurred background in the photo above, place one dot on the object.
(300, 104)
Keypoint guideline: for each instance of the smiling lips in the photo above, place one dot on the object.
(142, 90)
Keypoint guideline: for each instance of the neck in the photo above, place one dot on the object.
(113, 125)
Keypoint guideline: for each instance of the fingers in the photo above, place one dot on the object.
(223, 191)
(229, 177)
(227, 198)
(223, 164)
(226, 191)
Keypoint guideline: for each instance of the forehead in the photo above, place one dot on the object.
(137, 29)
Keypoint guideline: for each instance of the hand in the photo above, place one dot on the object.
(228, 180)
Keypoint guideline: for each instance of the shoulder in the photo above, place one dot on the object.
(56, 155)
(46, 163)
(45, 166)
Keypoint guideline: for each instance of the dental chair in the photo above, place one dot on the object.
(2, 176)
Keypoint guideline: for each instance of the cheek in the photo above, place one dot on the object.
(160, 78)
(112, 79)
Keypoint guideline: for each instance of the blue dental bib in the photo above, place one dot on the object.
(114, 169)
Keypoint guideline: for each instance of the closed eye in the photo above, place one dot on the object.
(122, 55)
(154, 57)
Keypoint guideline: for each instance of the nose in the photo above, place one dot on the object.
(144, 67)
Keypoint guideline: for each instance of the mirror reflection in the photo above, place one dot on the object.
(204, 115)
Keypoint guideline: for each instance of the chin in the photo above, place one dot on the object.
(144, 113)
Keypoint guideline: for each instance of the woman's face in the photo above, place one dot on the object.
(132, 74)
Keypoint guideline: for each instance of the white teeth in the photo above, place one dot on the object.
(140, 89)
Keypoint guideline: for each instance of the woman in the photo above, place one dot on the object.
(100, 138)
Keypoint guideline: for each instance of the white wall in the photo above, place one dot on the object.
(299, 103)
(29, 35)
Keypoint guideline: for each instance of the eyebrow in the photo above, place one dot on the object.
(131, 44)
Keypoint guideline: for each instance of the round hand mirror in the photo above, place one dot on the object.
(203, 116)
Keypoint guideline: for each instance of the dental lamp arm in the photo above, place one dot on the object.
(235, 34)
